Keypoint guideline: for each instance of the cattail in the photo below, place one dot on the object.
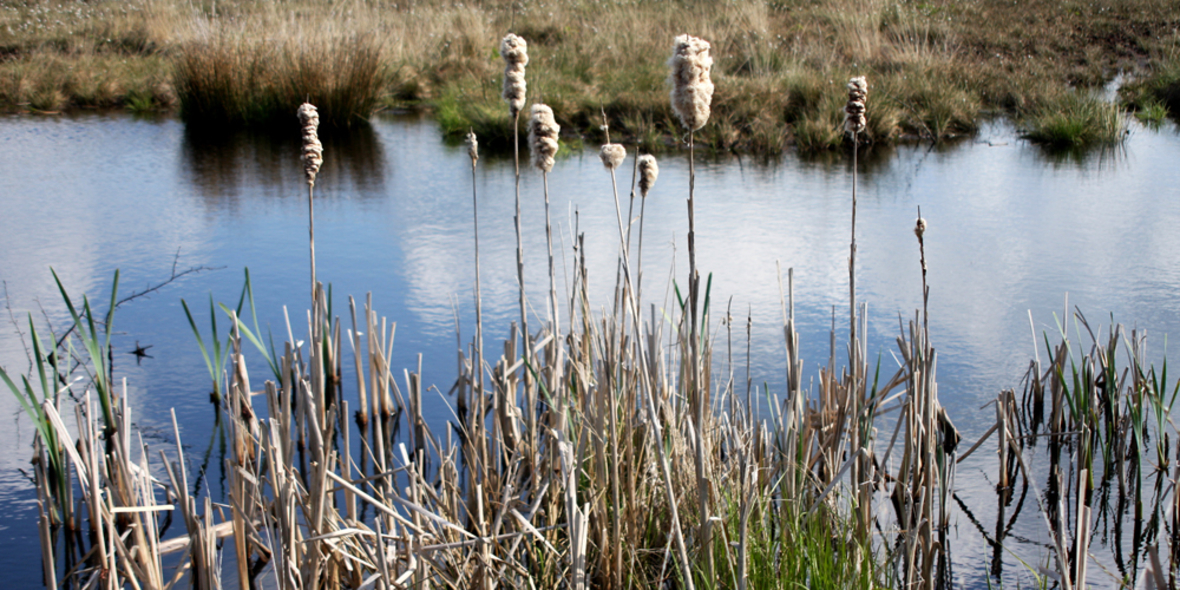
(920, 228)
(854, 111)
(472, 146)
(515, 52)
(649, 171)
(543, 131)
(612, 155)
(313, 151)
(692, 90)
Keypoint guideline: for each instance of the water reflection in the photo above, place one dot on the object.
(221, 166)
(1096, 158)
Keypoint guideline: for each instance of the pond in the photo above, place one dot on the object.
(1016, 237)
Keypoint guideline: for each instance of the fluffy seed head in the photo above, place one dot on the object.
(692, 89)
(649, 171)
(312, 151)
(543, 132)
(472, 146)
(920, 227)
(854, 111)
(515, 52)
(612, 154)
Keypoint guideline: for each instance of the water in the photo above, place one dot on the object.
(1013, 231)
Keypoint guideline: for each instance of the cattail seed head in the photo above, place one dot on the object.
(692, 89)
(543, 133)
(612, 155)
(649, 171)
(515, 52)
(472, 146)
(920, 228)
(313, 150)
(854, 111)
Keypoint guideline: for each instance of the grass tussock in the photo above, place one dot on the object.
(1157, 95)
(236, 80)
(1076, 120)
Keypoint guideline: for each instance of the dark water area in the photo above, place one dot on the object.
(1016, 237)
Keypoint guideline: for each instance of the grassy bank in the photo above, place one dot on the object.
(934, 67)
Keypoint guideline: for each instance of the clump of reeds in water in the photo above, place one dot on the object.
(1076, 119)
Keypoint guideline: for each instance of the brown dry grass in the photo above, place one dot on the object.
(934, 67)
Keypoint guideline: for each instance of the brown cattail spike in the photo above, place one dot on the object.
(472, 146)
(854, 111)
(515, 52)
(649, 171)
(543, 133)
(692, 88)
(313, 150)
(612, 155)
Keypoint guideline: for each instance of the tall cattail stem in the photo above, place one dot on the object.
(478, 297)
(554, 360)
(524, 320)
(554, 317)
(853, 346)
(311, 237)
(612, 424)
(920, 231)
(696, 388)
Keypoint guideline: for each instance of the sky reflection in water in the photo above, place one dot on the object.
(1012, 230)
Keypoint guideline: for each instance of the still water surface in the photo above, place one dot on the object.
(1012, 233)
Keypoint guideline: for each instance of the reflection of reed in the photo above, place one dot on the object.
(223, 166)
(1106, 158)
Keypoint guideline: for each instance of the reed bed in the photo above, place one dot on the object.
(593, 449)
